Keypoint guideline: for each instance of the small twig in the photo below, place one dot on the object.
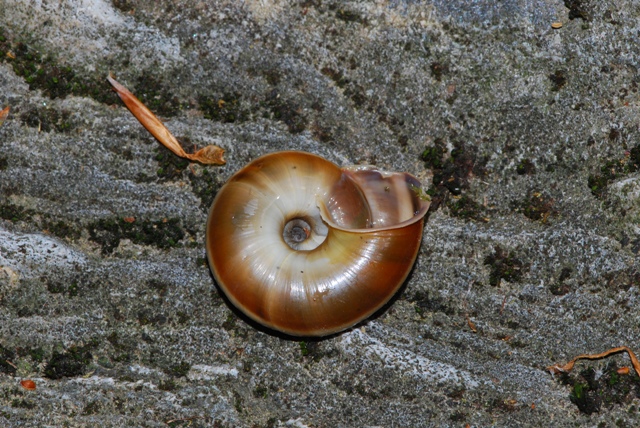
(504, 301)
(184, 419)
(556, 369)
(470, 323)
(11, 364)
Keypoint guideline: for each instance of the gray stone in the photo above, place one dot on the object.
(106, 300)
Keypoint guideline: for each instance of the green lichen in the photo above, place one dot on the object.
(47, 223)
(125, 6)
(205, 184)
(22, 403)
(47, 73)
(15, 213)
(502, 405)
(92, 408)
(335, 75)
(610, 171)
(579, 9)
(158, 286)
(504, 266)
(425, 303)
(170, 166)
(451, 176)
(73, 362)
(466, 208)
(272, 76)
(163, 234)
(179, 370)
(238, 402)
(167, 385)
(438, 70)
(537, 207)
(560, 288)
(526, 167)
(285, 111)
(226, 108)
(613, 170)
(304, 350)
(124, 347)
(72, 290)
(433, 157)
(47, 119)
(61, 229)
(156, 95)
(458, 417)
(350, 16)
(590, 391)
(56, 287)
(454, 172)
(42, 72)
(36, 354)
(148, 317)
(352, 90)
(558, 80)
(182, 317)
(7, 356)
(261, 391)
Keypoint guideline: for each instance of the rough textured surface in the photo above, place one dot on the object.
(528, 137)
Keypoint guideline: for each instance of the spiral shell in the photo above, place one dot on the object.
(309, 249)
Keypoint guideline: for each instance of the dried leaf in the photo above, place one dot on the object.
(28, 384)
(623, 371)
(471, 325)
(3, 114)
(210, 155)
(556, 369)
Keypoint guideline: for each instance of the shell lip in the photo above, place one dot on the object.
(418, 216)
(359, 168)
(385, 192)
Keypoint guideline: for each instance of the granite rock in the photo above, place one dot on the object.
(526, 135)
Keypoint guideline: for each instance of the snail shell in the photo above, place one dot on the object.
(309, 249)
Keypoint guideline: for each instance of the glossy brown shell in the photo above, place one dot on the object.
(365, 228)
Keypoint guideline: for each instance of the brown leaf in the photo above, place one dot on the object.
(3, 114)
(623, 370)
(471, 325)
(28, 384)
(210, 155)
(556, 369)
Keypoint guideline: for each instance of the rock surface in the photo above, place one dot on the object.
(527, 136)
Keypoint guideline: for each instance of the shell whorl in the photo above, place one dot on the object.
(309, 249)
